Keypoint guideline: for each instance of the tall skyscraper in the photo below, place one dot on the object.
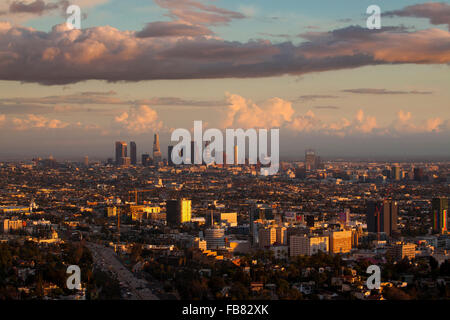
(310, 160)
(86, 161)
(121, 152)
(440, 212)
(382, 216)
(156, 150)
(396, 173)
(178, 212)
(133, 153)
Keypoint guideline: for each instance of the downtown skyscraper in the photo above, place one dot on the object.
(133, 153)
(121, 152)
(156, 149)
(439, 211)
(382, 216)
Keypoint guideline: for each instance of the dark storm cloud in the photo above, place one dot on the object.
(172, 29)
(64, 56)
(437, 12)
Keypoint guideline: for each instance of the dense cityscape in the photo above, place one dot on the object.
(224, 158)
(153, 230)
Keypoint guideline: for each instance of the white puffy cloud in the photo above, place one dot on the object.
(32, 121)
(245, 113)
(276, 112)
(139, 119)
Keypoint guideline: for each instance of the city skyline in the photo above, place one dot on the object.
(314, 71)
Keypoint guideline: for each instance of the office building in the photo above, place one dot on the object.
(215, 238)
(267, 237)
(396, 173)
(281, 235)
(382, 216)
(133, 153)
(229, 218)
(121, 152)
(401, 250)
(310, 160)
(439, 209)
(340, 241)
(307, 245)
(178, 212)
(157, 156)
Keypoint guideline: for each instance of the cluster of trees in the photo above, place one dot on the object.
(49, 264)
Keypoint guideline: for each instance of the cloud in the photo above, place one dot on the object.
(32, 121)
(36, 7)
(172, 29)
(244, 113)
(139, 119)
(76, 102)
(64, 56)
(278, 113)
(313, 97)
(437, 12)
(404, 124)
(18, 11)
(384, 91)
(196, 12)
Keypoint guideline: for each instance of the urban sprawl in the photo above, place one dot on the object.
(149, 229)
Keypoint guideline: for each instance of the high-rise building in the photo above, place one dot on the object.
(145, 159)
(310, 160)
(178, 211)
(121, 152)
(382, 216)
(156, 150)
(133, 153)
(344, 217)
(340, 241)
(307, 245)
(86, 161)
(396, 173)
(215, 238)
(281, 237)
(439, 209)
(236, 154)
(267, 237)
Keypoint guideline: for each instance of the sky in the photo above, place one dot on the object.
(310, 68)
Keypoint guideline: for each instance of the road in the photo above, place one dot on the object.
(106, 259)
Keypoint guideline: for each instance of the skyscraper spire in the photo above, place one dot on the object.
(156, 149)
